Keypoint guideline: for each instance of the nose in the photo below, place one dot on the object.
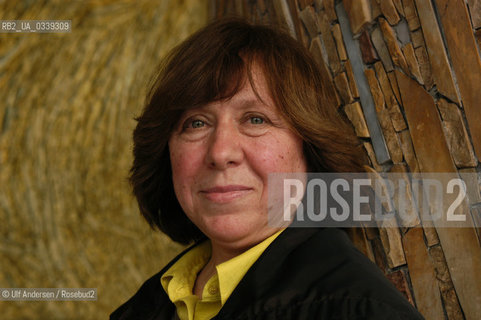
(225, 147)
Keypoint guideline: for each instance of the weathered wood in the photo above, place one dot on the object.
(405, 205)
(375, 10)
(475, 12)
(359, 13)
(381, 48)
(456, 135)
(368, 53)
(309, 18)
(305, 3)
(329, 44)
(352, 80)
(466, 62)
(384, 118)
(408, 151)
(393, 46)
(342, 86)
(412, 62)
(329, 8)
(316, 51)
(461, 246)
(341, 50)
(392, 244)
(394, 111)
(394, 86)
(399, 7)
(411, 14)
(424, 67)
(473, 187)
(451, 303)
(372, 156)
(421, 270)
(355, 115)
(389, 11)
(284, 15)
(398, 278)
(417, 38)
(442, 74)
(477, 34)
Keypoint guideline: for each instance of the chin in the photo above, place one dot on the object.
(233, 231)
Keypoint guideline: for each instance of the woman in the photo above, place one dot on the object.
(230, 105)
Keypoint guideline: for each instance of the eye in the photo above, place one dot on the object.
(256, 120)
(193, 124)
(197, 124)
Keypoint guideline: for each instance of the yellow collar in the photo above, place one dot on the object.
(178, 281)
(232, 271)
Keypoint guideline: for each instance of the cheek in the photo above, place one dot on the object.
(181, 170)
(285, 155)
(186, 163)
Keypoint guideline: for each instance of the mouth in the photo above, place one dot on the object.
(224, 194)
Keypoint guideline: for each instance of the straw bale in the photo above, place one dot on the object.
(67, 103)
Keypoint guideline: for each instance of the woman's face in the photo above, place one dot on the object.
(221, 155)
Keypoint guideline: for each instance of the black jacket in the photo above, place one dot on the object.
(304, 274)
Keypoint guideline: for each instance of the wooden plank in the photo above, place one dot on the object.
(466, 62)
(337, 34)
(411, 14)
(456, 135)
(354, 114)
(316, 51)
(460, 245)
(451, 303)
(423, 278)
(384, 117)
(398, 278)
(475, 10)
(359, 13)
(393, 45)
(342, 86)
(352, 80)
(442, 74)
(368, 53)
(389, 11)
(329, 43)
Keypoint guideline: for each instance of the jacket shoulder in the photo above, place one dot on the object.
(149, 300)
(316, 273)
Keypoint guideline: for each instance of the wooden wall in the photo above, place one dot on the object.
(408, 76)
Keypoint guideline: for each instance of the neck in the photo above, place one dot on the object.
(219, 255)
(224, 251)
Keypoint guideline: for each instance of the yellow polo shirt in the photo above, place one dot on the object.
(178, 281)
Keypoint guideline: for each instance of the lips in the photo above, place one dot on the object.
(223, 194)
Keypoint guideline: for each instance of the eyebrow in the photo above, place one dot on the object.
(246, 103)
(242, 104)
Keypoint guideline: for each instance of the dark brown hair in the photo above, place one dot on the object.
(212, 65)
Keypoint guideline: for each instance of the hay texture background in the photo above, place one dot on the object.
(67, 102)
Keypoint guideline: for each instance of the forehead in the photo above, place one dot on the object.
(248, 89)
(253, 92)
